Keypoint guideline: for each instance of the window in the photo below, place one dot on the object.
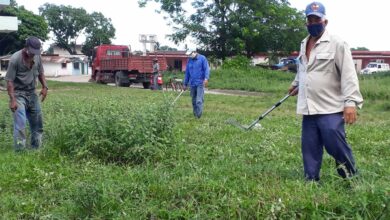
(76, 66)
(113, 53)
(63, 65)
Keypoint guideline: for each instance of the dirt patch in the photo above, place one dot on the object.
(78, 78)
(85, 78)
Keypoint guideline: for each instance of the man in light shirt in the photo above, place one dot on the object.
(328, 95)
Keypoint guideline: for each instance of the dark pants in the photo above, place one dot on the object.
(319, 131)
(197, 95)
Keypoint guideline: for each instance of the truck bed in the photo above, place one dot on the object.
(142, 64)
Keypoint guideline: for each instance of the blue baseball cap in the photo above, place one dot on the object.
(315, 8)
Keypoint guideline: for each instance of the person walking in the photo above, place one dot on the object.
(156, 71)
(24, 68)
(328, 96)
(197, 76)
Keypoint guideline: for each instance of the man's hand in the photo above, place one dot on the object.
(293, 90)
(13, 105)
(350, 115)
(184, 87)
(43, 94)
(205, 82)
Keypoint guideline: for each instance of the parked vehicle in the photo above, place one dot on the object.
(116, 64)
(374, 67)
(286, 64)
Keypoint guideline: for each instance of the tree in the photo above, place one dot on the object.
(66, 23)
(167, 48)
(230, 27)
(99, 31)
(31, 25)
(360, 48)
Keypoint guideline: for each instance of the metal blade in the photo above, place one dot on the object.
(238, 125)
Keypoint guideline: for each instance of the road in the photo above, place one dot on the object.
(85, 78)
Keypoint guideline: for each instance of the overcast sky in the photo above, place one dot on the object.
(359, 23)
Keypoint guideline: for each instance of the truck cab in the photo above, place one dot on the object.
(106, 52)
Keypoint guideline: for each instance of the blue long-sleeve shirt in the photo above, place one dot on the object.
(197, 71)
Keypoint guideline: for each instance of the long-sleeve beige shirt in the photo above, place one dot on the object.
(327, 81)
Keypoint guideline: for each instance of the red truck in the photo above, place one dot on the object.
(116, 64)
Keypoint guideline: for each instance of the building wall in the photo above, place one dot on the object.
(362, 58)
(60, 51)
(56, 69)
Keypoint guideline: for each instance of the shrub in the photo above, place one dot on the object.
(114, 132)
(238, 62)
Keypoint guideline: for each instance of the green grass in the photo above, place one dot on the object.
(200, 169)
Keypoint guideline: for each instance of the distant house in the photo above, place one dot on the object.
(59, 62)
(56, 65)
(362, 58)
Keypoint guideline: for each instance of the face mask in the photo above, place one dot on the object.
(315, 29)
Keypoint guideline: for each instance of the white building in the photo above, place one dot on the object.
(56, 65)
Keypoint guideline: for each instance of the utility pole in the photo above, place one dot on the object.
(148, 38)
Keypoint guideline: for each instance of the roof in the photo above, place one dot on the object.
(55, 59)
(64, 59)
(371, 53)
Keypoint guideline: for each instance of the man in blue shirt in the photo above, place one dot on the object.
(197, 76)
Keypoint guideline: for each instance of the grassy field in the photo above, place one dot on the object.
(120, 153)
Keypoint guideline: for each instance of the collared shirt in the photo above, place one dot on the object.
(197, 70)
(22, 74)
(327, 81)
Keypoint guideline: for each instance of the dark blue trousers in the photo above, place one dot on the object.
(319, 131)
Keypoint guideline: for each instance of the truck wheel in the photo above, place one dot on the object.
(119, 82)
(146, 85)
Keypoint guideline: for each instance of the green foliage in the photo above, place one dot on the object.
(234, 27)
(31, 25)
(375, 88)
(206, 169)
(238, 62)
(99, 31)
(360, 49)
(111, 131)
(68, 23)
(251, 79)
